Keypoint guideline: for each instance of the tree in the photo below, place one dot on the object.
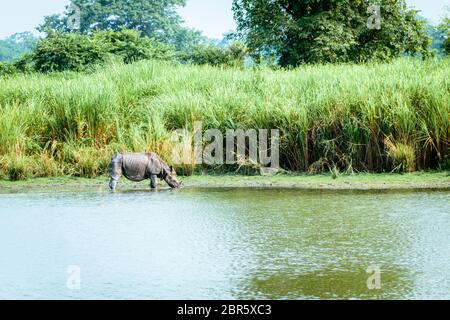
(444, 28)
(152, 18)
(318, 31)
(438, 39)
(185, 39)
(16, 45)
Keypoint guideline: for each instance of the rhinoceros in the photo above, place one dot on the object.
(138, 167)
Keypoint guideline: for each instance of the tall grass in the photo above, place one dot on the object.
(379, 117)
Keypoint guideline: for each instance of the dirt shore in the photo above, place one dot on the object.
(420, 180)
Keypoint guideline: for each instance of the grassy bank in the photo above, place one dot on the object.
(411, 181)
(370, 118)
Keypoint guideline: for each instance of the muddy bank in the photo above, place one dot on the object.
(436, 180)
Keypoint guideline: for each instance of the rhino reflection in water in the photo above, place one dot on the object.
(139, 167)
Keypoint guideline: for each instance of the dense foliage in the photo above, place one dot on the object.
(72, 51)
(444, 27)
(312, 31)
(375, 118)
(283, 32)
(67, 51)
(130, 46)
(232, 55)
(157, 19)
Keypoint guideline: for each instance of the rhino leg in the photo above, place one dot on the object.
(153, 183)
(113, 184)
(115, 171)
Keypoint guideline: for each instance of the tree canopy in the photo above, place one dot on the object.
(318, 31)
(16, 45)
(156, 19)
(444, 29)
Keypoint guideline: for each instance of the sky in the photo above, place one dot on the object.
(212, 17)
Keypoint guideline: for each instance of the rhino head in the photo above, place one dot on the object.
(171, 178)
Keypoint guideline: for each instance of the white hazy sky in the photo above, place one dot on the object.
(213, 17)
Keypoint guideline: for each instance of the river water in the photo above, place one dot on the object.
(225, 244)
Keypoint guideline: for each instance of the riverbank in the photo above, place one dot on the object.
(418, 180)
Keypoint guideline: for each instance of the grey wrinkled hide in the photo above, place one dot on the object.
(139, 167)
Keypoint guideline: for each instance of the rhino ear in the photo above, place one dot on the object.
(171, 169)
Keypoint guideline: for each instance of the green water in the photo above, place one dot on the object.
(225, 244)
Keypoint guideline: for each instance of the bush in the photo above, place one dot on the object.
(67, 51)
(204, 54)
(447, 46)
(25, 63)
(130, 46)
(7, 68)
(233, 55)
(62, 51)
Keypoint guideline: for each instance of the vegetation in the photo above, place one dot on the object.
(444, 27)
(214, 55)
(14, 53)
(364, 181)
(77, 52)
(339, 118)
(74, 51)
(333, 31)
(157, 19)
(310, 32)
(438, 39)
(61, 114)
(16, 46)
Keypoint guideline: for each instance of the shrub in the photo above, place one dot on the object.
(204, 54)
(25, 63)
(7, 68)
(68, 51)
(130, 46)
(447, 46)
(233, 55)
(61, 51)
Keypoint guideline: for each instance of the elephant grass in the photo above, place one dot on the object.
(363, 118)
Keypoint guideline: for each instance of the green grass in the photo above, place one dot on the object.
(409, 181)
(344, 118)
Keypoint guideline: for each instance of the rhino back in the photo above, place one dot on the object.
(134, 166)
(158, 164)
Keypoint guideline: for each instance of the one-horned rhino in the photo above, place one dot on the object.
(138, 167)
